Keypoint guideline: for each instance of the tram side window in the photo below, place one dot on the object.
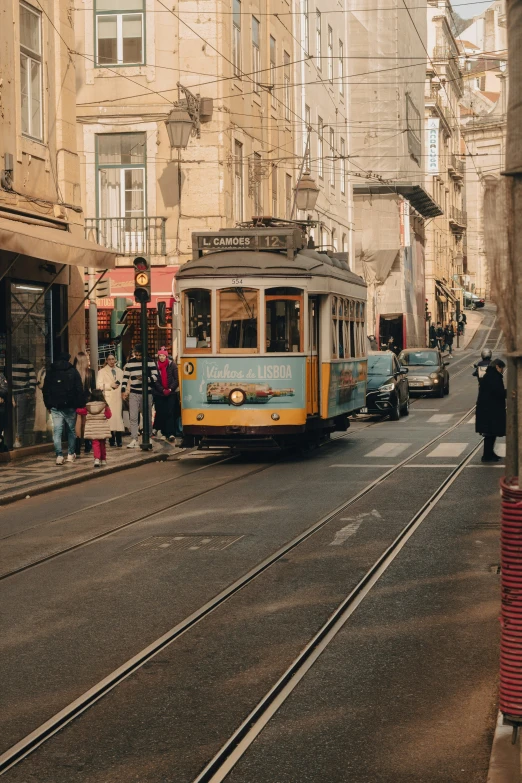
(197, 320)
(347, 328)
(283, 307)
(238, 320)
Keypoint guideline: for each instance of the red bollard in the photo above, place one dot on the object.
(511, 608)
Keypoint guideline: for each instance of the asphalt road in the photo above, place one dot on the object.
(405, 691)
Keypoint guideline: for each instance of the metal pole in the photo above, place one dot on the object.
(93, 321)
(457, 310)
(145, 444)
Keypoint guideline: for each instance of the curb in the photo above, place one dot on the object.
(41, 489)
(504, 763)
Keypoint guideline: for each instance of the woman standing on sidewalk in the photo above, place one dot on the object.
(83, 364)
(164, 393)
(109, 381)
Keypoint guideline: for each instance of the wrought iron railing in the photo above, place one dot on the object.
(129, 236)
(457, 165)
(458, 216)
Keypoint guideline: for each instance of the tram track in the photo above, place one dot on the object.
(28, 744)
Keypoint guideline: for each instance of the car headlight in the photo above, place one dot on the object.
(434, 375)
(387, 387)
(237, 397)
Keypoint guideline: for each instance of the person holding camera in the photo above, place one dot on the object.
(110, 378)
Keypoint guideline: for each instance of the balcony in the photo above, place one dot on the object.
(458, 220)
(129, 236)
(456, 167)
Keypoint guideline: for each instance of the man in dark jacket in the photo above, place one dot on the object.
(165, 396)
(433, 336)
(448, 339)
(490, 418)
(63, 393)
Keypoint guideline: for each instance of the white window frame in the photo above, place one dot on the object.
(287, 90)
(274, 191)
(332, 155)
(341, 67)
(330, 55)
(238, 181)
(236, 39)
(33, 58)
(320, 148)
(306, 130)
(318, 39)
(119, 16)
(256, 55)
(305, 27)
(342, 167)
(273, 71)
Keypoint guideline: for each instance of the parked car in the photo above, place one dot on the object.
(472, 300)
(387, 389)
(428, 373)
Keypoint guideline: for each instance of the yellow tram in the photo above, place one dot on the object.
(273, 339)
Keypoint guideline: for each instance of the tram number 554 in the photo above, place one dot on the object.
(237, 281)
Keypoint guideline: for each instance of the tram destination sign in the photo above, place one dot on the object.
(290, 241)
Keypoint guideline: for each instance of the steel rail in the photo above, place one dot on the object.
(45, 731)
(237, 745)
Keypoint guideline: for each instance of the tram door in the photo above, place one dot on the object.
(313, 365)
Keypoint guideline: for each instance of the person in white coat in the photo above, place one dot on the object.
(109, 380)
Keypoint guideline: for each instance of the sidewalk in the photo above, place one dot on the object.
(34, 475)
(475, 318)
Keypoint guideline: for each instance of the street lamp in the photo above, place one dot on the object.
(306, 193)
(179, 127)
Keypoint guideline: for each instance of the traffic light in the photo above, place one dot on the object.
(141, 279)
(162, 315)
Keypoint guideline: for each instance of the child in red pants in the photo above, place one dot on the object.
(97, 426)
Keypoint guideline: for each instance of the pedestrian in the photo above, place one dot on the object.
(439, 336)
(110, 379)
(82, 363)
(490, 420)
(165, 396)
(482, 366)
(63, 393)
(132, 390)
(449, 334)
(432, 336)
(97, 428)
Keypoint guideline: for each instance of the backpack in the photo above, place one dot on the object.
(60, 391)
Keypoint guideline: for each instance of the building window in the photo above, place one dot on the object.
(238, 181)
(256, 53)
(236, 38)
(343, 167)
(258, 199)
(332, 156)
(344, 243)
(119, 32)
(320, 147)
(287, 91)
(341, 68)
(305, 26)
(31, 71)
(273, 70)
(334, 240)
(330, 54)
(308, 162)
(318, 49)
(288, 195)
(274, 191)
(121, 202)
(413, 125)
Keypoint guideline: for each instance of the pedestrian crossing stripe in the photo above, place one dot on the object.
(440, 418)
(448, 450)
(388, 450)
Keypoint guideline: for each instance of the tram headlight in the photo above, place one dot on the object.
(200, 416)
(276, 416)
(237, 397)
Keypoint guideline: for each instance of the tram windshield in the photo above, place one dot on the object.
(238, 320)
(197, 319)
(283, 320)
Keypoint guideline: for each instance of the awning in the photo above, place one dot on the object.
(53, 244)
(446, 293)
(418, 197)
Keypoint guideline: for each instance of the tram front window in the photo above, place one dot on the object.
(283, 320)
(238, 320)
(197, 320)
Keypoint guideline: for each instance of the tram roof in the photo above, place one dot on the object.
(251, 263)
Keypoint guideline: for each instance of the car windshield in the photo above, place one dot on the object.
(379, 365)
(419, 358)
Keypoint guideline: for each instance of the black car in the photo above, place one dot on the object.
(428, 373)
(387, 389)
(472, 301)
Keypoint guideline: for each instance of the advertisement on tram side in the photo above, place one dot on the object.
(347, 388)
(250, 382)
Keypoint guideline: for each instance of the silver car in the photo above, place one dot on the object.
(427, 371)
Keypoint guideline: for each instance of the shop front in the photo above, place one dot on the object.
(39, 290)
